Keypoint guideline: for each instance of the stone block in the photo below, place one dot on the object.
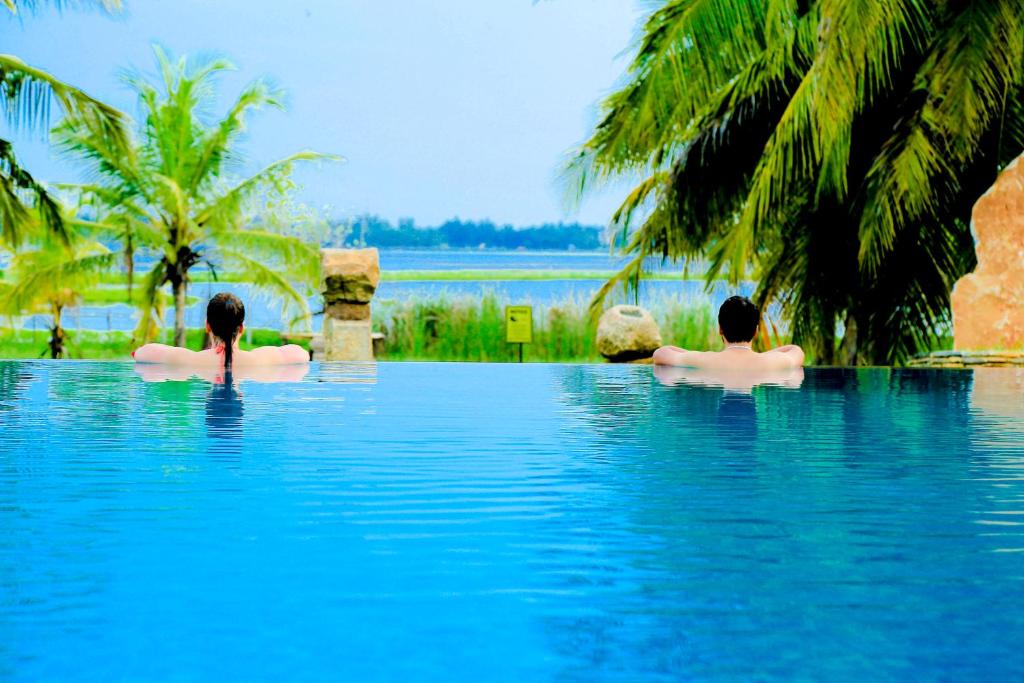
(349, 275)
(627, 333)
(347, 340)
(341, 310)
(988, 304)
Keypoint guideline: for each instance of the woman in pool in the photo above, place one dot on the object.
(225, 318)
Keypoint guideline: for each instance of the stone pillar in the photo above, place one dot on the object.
(350, 278)
(988, 304)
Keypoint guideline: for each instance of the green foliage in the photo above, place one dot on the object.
(833, 147)
(473, 329)
(26, 96)
(51, 276)
(174, 193)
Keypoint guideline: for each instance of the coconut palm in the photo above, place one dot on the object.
(51, 275)
(26, 94)
(831, 149)
(174, 194)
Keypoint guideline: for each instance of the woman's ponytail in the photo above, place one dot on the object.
(225, 315)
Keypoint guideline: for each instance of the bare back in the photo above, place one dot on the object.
(733, 358)
(214, 358)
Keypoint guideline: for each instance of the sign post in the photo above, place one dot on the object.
(519, 326)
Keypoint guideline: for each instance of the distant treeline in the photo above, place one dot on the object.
(374, 231)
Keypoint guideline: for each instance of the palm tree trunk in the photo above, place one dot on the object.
(178, 287)
(129, 263)
(849, 350)
(56, 335)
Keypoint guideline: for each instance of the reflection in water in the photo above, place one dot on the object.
(874, 496)
(734, 409)
(348, 373)
(730, 380)
(997, 399)
(225, 410)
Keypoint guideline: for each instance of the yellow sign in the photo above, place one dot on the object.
(518, 324)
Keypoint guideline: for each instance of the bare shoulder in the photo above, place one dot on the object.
(275, 355)
(169, 355)
(789, 356)
(673, 355)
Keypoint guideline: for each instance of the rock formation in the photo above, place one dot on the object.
(350, 278)
(988, 304)
(626, 333)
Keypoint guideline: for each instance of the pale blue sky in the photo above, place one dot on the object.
(442, 107)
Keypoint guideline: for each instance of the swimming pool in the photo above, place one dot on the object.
(503, 522)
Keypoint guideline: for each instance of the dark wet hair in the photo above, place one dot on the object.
(738, 318)
(225, 315)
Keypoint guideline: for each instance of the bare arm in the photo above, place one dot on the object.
(673, 355)
(162, 353)
(278, 355)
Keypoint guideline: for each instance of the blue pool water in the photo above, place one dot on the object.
(452, 522)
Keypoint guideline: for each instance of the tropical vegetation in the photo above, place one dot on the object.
(26, 95)
(174, 194)
(52, 275)
(830, 149)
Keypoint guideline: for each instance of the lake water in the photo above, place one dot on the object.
(538, 522)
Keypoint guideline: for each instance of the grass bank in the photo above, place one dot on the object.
(118, 294)
(86, 344)
(473, 329)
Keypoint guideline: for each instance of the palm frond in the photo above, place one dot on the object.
(271, 280)
(39, 274)
(16, 6)
(217, 145)
(26, 93)
(962, 89)
(151, 304)
(286, 254)
(25, 203)
(689, 50)
(228, 206)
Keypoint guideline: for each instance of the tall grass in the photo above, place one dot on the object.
(464, 328)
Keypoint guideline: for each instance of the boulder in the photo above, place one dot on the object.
(626, 333)
(349, 275)
(988, 304)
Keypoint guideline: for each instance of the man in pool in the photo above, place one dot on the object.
(225, 321)
(738, 319)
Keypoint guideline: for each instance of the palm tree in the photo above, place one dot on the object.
(51, 276)
(832, 149)
(173, 194)
(26, 94)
